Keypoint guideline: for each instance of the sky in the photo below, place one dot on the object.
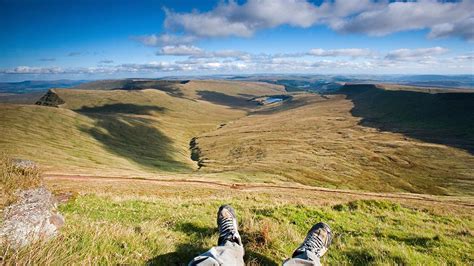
(93, 39)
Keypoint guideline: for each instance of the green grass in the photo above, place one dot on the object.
(170, 231)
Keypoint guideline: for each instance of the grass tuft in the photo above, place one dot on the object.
(14, 177)
(171, 231)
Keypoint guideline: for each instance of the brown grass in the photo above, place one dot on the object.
(14, 178)
(317, 141)
(311, 140)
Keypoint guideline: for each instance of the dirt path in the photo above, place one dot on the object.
(460, 201)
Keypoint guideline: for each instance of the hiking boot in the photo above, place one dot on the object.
(317, 240)
(227, 224)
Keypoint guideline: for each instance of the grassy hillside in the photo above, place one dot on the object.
(193, 89)
(317, 141)
(119, 132)
(445, 117)
(310, 139)
(360, 139)
(139, 222)
(128, 84)
(23, 98)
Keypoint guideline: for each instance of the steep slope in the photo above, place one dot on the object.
(316, 140)
(441, 116)
(214, 125)
(116, 131)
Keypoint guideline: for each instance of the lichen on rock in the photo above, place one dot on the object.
(32, 217)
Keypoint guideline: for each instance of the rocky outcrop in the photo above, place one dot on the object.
(24, 164)
(51, 98)
(32, 217)
(196, 152)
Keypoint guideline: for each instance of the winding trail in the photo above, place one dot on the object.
(459, 201)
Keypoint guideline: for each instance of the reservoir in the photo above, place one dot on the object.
(270, 100)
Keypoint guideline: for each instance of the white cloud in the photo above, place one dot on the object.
(352, 52)
(227, 53)
(34, 70)
(350, 60)
(233, 54)
(164, 39)
(149, 67)
(401, 16)
(230, 18)
(211, 24)
(196, 52)
(463, 28)
(412, 54)
(180, 50)
(369, 17)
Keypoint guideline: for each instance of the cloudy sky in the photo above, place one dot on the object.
(92, 39)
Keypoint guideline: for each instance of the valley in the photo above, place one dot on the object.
(362, 137)
(140, 163)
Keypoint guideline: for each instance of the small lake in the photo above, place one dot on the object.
(273, 100)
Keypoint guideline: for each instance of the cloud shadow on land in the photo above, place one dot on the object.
(198, 236)
(122, 108)
(133, 137)
(441, 118)
(227, 100)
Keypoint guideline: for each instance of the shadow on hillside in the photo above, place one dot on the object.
(122, 108)
(442, 118)
(133, 137)
(168, 86)
(227, 100)
(197, 238)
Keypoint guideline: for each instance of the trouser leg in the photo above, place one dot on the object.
(306, 258)
(231, 254)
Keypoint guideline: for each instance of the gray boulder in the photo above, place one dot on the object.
(32, 217)
(24, 164)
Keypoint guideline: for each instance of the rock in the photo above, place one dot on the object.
(51, 98)
(32, 217)
(24, 164)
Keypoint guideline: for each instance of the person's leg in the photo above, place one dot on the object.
(314, 246)
(229, 249)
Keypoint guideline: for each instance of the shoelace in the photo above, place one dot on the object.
(313, 243)
(227, 228)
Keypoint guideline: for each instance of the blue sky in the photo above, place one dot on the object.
(88, 39)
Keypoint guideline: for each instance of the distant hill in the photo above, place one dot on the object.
(36, 85)
(363, 137)
(326, 83)
(360, 137)
(124, 131)
(445, 116)
(128, 84)
(22, 98)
